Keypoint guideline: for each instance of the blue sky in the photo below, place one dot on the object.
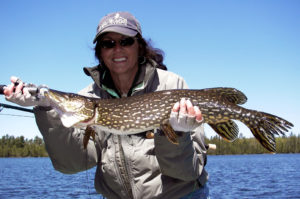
(251, 45)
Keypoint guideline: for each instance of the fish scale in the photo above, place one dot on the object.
(131, 115)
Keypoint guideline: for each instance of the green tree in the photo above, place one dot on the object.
(11, 146)
(243, 145)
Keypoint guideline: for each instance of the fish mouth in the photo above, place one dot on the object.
(73, 109)
(66, 102)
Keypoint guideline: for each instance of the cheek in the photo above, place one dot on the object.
(135, 53)
(104, 55)
(135, 56)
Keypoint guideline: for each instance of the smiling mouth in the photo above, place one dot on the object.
(121, 59)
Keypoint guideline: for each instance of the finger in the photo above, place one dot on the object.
(174, 114)
(199, 117)
(19, 87)
(190, 108)
(176, 107)
(182, 106)
(14, 79)
(8, 90)
(26, 93)
(16, 82)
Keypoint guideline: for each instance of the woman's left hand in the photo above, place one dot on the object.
(185, 117)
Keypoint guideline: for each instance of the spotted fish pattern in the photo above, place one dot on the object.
(132, 115)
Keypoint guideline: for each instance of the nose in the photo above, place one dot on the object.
(118, 46)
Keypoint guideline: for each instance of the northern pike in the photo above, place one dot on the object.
(132, 115)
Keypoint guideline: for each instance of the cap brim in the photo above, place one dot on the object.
(117, 29)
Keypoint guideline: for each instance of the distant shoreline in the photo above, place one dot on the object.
(20, 147)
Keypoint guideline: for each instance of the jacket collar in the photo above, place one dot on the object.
(103, 80)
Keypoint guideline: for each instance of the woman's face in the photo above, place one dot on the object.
(120, 60)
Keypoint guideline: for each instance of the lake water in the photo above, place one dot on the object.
(236, 176)
(255, 176)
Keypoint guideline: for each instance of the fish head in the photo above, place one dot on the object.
(73, 109)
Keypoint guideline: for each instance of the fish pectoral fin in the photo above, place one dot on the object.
(89, 131)
(169, 133)
(227, 130)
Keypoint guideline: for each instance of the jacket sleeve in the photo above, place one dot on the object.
(64, 145)
(184, 161)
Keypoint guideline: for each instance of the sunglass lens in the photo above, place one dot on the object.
(108, 43)
(111, 43)
(127, 41)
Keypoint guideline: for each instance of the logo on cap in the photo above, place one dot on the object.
(116, 20)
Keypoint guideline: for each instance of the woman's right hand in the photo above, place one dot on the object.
(17, 93)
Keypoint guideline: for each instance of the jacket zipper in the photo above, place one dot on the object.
(124, 170)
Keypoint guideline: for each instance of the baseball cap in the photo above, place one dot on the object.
(120, 22)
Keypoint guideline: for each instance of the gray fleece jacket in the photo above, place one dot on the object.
(128, 166)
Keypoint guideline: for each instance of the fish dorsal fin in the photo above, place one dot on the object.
(227, 130)
(230, 94)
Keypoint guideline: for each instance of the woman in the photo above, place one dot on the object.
(144, 165)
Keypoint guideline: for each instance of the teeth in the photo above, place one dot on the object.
(120, 59)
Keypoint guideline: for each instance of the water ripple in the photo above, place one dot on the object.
(254, 176)
(236, 176)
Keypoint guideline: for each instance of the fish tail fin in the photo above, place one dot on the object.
(265, 139)
(265, 126)
(169, 133)
(227, 130)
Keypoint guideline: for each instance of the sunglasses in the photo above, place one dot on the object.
(109, 43)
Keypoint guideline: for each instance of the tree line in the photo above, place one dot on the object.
(243, 145)
(11, 146)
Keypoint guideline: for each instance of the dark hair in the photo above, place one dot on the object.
(145, 51)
